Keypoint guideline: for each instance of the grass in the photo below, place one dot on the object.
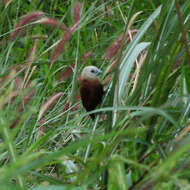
(48, 141)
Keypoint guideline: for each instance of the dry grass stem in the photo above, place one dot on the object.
(111, 67)
(38, 37)
(47, 105)
(183, 133)
(7, 2)
(138, 69)
(132, 20)
(29, 76)
(29, 63)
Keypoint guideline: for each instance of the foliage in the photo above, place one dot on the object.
(140, 140)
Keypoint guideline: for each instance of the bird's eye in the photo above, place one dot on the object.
(93, 71)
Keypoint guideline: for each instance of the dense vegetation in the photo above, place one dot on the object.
(141, 138)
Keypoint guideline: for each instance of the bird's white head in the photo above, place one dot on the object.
(90, 72)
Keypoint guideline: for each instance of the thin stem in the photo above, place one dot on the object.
(183, 32)
(75, 70)
(92, 135)
(10, 146)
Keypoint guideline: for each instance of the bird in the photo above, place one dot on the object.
(91, 89)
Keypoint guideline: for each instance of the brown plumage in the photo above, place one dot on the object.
(91, 90)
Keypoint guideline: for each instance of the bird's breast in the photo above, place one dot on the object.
(91, 94)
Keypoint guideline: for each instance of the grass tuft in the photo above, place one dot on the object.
(140, 137)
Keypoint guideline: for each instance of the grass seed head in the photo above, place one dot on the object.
(26, 19)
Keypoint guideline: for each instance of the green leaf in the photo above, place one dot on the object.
(57, 187)
(129, 62)
(116, 172)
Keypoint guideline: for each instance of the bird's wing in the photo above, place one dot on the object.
(99, 93)
(91, 95)
(85, 96)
